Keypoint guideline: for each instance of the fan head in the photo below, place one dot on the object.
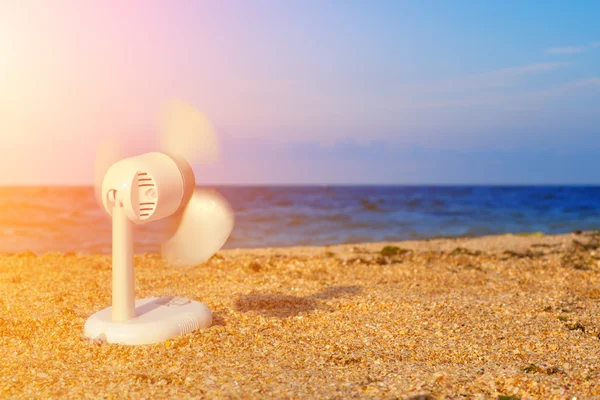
(149, 187)
(161, 185)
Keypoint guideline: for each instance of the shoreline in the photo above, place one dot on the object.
(473, 317)
(441, 242)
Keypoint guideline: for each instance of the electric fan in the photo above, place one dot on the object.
(150, 187)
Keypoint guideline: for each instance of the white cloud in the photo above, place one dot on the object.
(566, 50)
(518, 100)
(525, 69)
(491, 79)
(571, 49)
(563, 89)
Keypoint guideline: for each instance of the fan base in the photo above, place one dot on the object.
(156, 320)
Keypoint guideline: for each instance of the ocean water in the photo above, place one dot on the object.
(45, 219)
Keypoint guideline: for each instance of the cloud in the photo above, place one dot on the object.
(571, 49)
(562, 89)
(491, 79)
(515, 100)
(476, 89)
(524, 70)
(507, 158)
(566, 50)
(589, 82)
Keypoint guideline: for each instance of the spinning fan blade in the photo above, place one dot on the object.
(205, 225)
(187, 133)
(109, 151)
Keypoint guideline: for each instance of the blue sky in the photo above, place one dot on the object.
(334, 92)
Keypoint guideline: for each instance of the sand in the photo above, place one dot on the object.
(463, 318)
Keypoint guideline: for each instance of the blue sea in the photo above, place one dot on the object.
(43, 219)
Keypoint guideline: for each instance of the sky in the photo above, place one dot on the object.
(308, 92)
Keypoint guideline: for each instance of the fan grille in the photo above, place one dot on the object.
(147, 194)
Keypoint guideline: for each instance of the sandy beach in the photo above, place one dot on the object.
(510, 315)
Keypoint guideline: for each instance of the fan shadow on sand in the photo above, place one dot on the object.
(284, 306)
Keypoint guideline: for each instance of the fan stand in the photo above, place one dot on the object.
(145, 321)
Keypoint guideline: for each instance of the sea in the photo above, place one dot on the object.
(68, 219)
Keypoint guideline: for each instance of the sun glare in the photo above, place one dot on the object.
(6, 58)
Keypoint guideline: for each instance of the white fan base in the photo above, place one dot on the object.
(156, 320)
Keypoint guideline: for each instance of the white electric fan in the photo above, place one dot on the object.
(146, 188)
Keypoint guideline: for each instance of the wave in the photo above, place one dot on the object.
(68, 219)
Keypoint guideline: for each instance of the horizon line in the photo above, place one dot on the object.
(334, 185)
